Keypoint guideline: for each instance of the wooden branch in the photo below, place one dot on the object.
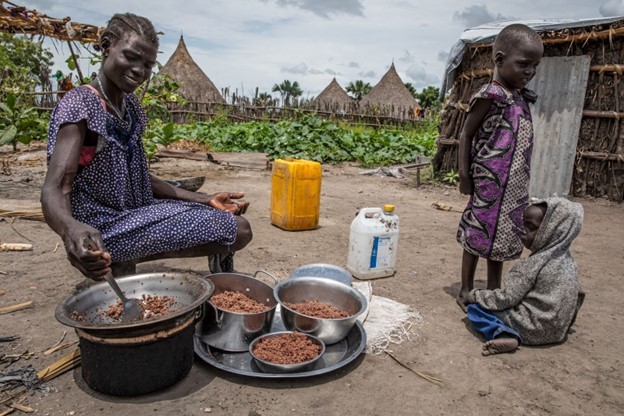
(602, 114)
(448, 141)
(478, 73)
(17, 307)
(15, 19)
(15, 247)
(71, 50)
(65, 363)
(585, 36)
(601, 155)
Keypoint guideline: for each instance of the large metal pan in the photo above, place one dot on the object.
(129, 359)
(188, 291)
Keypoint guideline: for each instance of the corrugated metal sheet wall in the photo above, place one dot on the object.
(560, 83)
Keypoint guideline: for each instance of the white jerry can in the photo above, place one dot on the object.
(373, 243)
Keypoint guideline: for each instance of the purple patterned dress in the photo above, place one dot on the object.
(112, 192)
(491, 224)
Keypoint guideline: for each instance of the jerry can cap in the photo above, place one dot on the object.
(388, 208)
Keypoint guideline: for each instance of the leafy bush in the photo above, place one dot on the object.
(19, 123)
(310, 138)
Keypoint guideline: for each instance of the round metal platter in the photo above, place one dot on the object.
(336, 355)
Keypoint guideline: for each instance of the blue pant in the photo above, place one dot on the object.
(489, 324)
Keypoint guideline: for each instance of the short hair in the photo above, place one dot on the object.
(512, 35)
(122, 23)
(542, 206)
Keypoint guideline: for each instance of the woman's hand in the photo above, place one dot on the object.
(224, 202)
(86, 251)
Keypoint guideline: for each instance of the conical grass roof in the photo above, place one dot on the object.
(194, 83)
(390, 92)
(333, 95)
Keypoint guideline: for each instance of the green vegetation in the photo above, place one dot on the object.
(25, 69)
(24, 60)
(358, 89)
(288, 90)
(452, 177)
(428, 97)
(306, 138)
(19, 123)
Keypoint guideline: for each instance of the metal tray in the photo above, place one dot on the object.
(336, 355)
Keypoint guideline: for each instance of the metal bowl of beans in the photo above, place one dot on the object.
(326, 291)
(287, 352)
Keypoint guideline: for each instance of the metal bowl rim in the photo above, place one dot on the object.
(62, 315)
(317, 340)
(328, 282)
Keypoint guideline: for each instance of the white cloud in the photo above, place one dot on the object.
(612, 8)
(476, 15)
(244, 44)
(326, 8)
(420, 78)
(407, 57)
(297, 69)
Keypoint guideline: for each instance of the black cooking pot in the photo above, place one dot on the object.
(129, 359)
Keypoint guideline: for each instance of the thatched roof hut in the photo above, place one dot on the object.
(391, 95)
(598, 160)
(334, 98)
(195, 85)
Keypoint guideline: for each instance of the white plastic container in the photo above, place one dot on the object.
(373, 243)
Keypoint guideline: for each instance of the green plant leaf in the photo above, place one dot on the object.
(7, 135)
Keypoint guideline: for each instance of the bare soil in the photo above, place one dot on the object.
(582, 376)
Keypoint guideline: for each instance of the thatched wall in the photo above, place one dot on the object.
(599, 165)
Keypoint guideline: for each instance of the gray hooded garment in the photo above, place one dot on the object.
(541, 294)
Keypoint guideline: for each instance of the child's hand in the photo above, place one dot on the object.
(465, 185)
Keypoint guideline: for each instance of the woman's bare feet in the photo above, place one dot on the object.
(500, 345)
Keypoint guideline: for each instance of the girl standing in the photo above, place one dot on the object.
(495, 156)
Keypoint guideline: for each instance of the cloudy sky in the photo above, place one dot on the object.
(244, 44)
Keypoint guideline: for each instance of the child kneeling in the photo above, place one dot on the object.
(541, 294)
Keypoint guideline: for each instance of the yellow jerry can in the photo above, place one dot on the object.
(296, 194)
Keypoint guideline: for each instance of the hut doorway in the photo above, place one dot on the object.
(560, 83)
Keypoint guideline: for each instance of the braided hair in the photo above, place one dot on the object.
(122, 23)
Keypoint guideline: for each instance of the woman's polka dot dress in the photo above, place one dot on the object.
(113, 192)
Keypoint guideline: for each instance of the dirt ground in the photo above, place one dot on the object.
(583, 376)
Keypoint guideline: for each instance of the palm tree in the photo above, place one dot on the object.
(287, 90)
(264, 98)
(358, 89)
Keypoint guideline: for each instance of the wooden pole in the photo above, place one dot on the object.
(71, 49)
(585, 36)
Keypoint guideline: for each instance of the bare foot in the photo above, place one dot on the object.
(461, 300)
(499, 345)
